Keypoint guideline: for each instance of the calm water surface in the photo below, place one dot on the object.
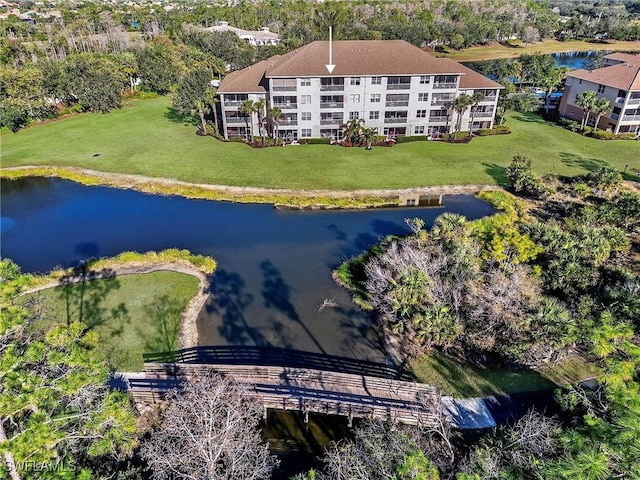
(274, 266)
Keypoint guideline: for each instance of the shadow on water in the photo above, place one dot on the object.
(276, 294)
(497, 172)
(229, 299)
(573, 160)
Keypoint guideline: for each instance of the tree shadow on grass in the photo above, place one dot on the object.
(529, 117)
(497, 172)
(175, 116)
(585, 163)
(165, 315)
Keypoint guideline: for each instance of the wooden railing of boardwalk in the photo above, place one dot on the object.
(329, 385)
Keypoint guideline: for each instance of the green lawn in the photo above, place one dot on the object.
(132, 314)
(462, 379)
(142, 140)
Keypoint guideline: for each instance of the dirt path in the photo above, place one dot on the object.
(165, 186)
(189, 329)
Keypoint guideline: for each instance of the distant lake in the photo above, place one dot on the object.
(274, 265)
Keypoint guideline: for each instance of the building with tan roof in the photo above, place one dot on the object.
(257, 38)
(392, 85)
(619, 82)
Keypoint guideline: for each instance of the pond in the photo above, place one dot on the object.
(274, 266)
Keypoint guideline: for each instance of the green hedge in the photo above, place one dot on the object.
(415, 138)
(497, 130)
(604, 135)
(314, 141)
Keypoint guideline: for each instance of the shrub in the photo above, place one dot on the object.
(237, 140)
(603, 135)
(415, 138)
(569, 124)
(497, 130)
(604, 178)
(456, 137)
(314, 141)
(522, 178)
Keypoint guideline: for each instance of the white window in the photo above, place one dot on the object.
(305, 116)
(424, 79)
(305, 82)
(354, 97)
(423, 97)
(419, 130)
(421, 114)
(354, 115)
(375, 98)
(374, 115)
(355, 80)
(306, 132)
(305, 99)
(376, 80)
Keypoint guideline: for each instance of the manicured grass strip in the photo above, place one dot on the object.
(517, 48)
(132, 314)
(142, 140)
(462, 379)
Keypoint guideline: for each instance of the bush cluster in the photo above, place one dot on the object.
(314, 141)
(415, 138)
(497, 130)
(456, 137)
(603, 135)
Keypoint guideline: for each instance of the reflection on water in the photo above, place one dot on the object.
(274, 266)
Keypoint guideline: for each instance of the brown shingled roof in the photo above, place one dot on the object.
(352, 58)
(624, 57)
(625, 76)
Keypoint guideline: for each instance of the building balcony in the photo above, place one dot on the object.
(286, 88)
(286, 106)
(236, 120)
(288, 123)
(633, 101)
(403, 103)
(233, 103)
(330, 121)
(483, 115)
(488, 98)
(445, 85)
(441, 102)
(331, 88)
(396, 120)
(398, 86)
(438, 119)
(331, 104)
(630, 118)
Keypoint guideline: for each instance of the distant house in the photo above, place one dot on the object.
(393, 86)
(619, 82)
(257, 38)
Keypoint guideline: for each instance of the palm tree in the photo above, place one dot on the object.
(352, 131)
(586, 101)
(368, 136)
(476, 98)
(211, 97)
(274, 115)
(201, 108)
(259, 107)
(448, 106)
(460, 105)
(550, 80)
(601, 107)
(246, 110)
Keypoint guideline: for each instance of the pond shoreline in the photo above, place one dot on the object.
(280, 198)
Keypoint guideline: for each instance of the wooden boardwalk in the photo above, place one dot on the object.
(305, 389)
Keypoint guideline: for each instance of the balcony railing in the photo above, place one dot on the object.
(398, 86)
(483, 115)
(441, 102)
(331, 88)
(331, 104)
(286, 106)
(437, 119)
(634, 101)
(288, 123)
(236, 120)
(402, 103)
(285, 88)
(330, 121)
(488, 98)
(445, 85)
(630, 118)
(233, 103)
(396, 120)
